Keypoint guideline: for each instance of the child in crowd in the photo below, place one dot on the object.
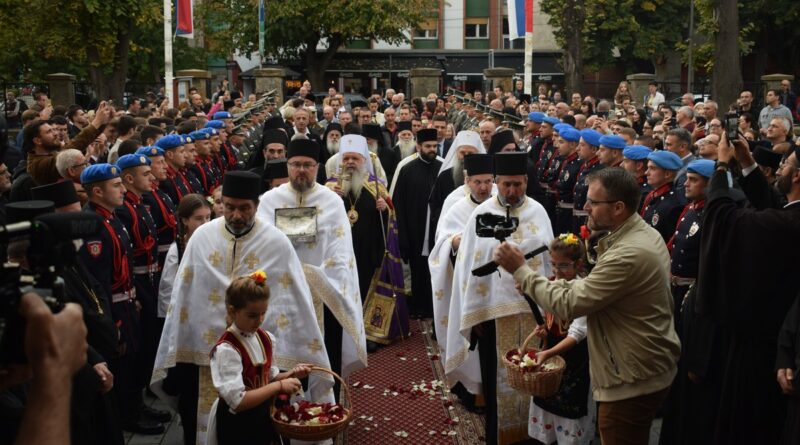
(242, 369)
(568, 417)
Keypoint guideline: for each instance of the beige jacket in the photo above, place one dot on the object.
(633, 347)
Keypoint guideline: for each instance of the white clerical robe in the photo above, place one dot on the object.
(475, 300)
(196, 317)
(332, 253)
(456, 195)
(451, 223)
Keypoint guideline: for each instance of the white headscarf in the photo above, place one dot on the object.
(464, 137)
(355, 143)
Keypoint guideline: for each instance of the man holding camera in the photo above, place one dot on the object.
(488, 311)
(633, 348)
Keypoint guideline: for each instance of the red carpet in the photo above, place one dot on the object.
(400, 399)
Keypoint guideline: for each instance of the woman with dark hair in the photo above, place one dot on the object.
(416, 103)
(587, 108)
(638, 119)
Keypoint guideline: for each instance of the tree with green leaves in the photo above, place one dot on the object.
(592, 32)
(294, 30)
(94, 37)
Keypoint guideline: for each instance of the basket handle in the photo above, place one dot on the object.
(341, 380)
(524, 348)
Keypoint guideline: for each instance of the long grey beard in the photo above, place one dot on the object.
(458, 172)
(333, 147)
(356, 183)
(407, 148)
(373, 147)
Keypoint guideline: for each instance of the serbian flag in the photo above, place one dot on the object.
(520, 18)
(184, 19)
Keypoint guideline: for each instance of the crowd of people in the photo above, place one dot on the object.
(666, 280)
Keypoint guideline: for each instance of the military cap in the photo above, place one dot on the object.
(219, 115)
(703, 167)
(561, 126)
(592, 137)
(150, 151)
(666, 160)
(570, 134)
(636, 152)
(99, 172)
(170, 141)
(209, 131)
(132, 160)
(551, 120)
(199, 135)
(536, 116)
(613, 141)
(215, 124)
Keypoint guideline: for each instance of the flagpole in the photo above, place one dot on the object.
(261, 31)
(529, 47)
(168, 74)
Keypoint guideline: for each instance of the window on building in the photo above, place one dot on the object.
(476, 29)
(427, 30)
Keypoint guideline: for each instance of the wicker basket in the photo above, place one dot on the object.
(316, 432)
(535, 383)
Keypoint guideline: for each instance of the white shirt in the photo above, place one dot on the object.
(168, 273)
(226, 367)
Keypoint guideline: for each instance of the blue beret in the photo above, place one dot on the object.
(170, 141)
(636, 152)
(666, 160)
(150, 151)
(551, 120)
(592, 137)
(132, 160)
(222, 115)
(703, 167)
(559, 127)
(536, 116)
(215, 124)
(570, 134)
(209, 131)
(612, 141)
(199, 135)
(99, 172)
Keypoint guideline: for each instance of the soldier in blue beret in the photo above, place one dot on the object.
(108, 257)
(176, 185)
(568, 141)
(190, 158)
(663, 205)
(204, 168)
(139, 223)
(542, 149)
(587, 153)
(634, 160)
(160, 205)
(610, 152)
(533, 125)
(215, 124)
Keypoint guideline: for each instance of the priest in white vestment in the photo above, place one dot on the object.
(219, 251)
(488, 312)
(315, 220)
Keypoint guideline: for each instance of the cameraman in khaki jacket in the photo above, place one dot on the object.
(633, 347)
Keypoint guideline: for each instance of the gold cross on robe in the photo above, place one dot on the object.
(286, 280)
(214, 297)
(215, 259)
(251, 260)
(315, 346)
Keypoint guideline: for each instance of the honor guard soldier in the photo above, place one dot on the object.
(587, 152)
(610, 152)
(135, 174)
(663, 205)
(227, 152)
(547, 150)
(684, 245)
(215, 130)
(550, 175)
(176, 185)
(204, 167)
(567, 176)
(108, 257)
(634, 159)
(159, 204)
(536, 141)
(190, 157)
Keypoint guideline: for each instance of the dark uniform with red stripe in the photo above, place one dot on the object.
(548, 181)
(662, 208)
(207, 172)
(163, 211)
(106, 256)
(581, 191)
(565, 187)
(194, 182)
(685, 252)
(176, 186)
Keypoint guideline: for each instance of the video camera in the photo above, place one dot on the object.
(499, 227)
(51, 248)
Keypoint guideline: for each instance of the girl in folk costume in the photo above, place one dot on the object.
(242, 370)
(568, 417)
